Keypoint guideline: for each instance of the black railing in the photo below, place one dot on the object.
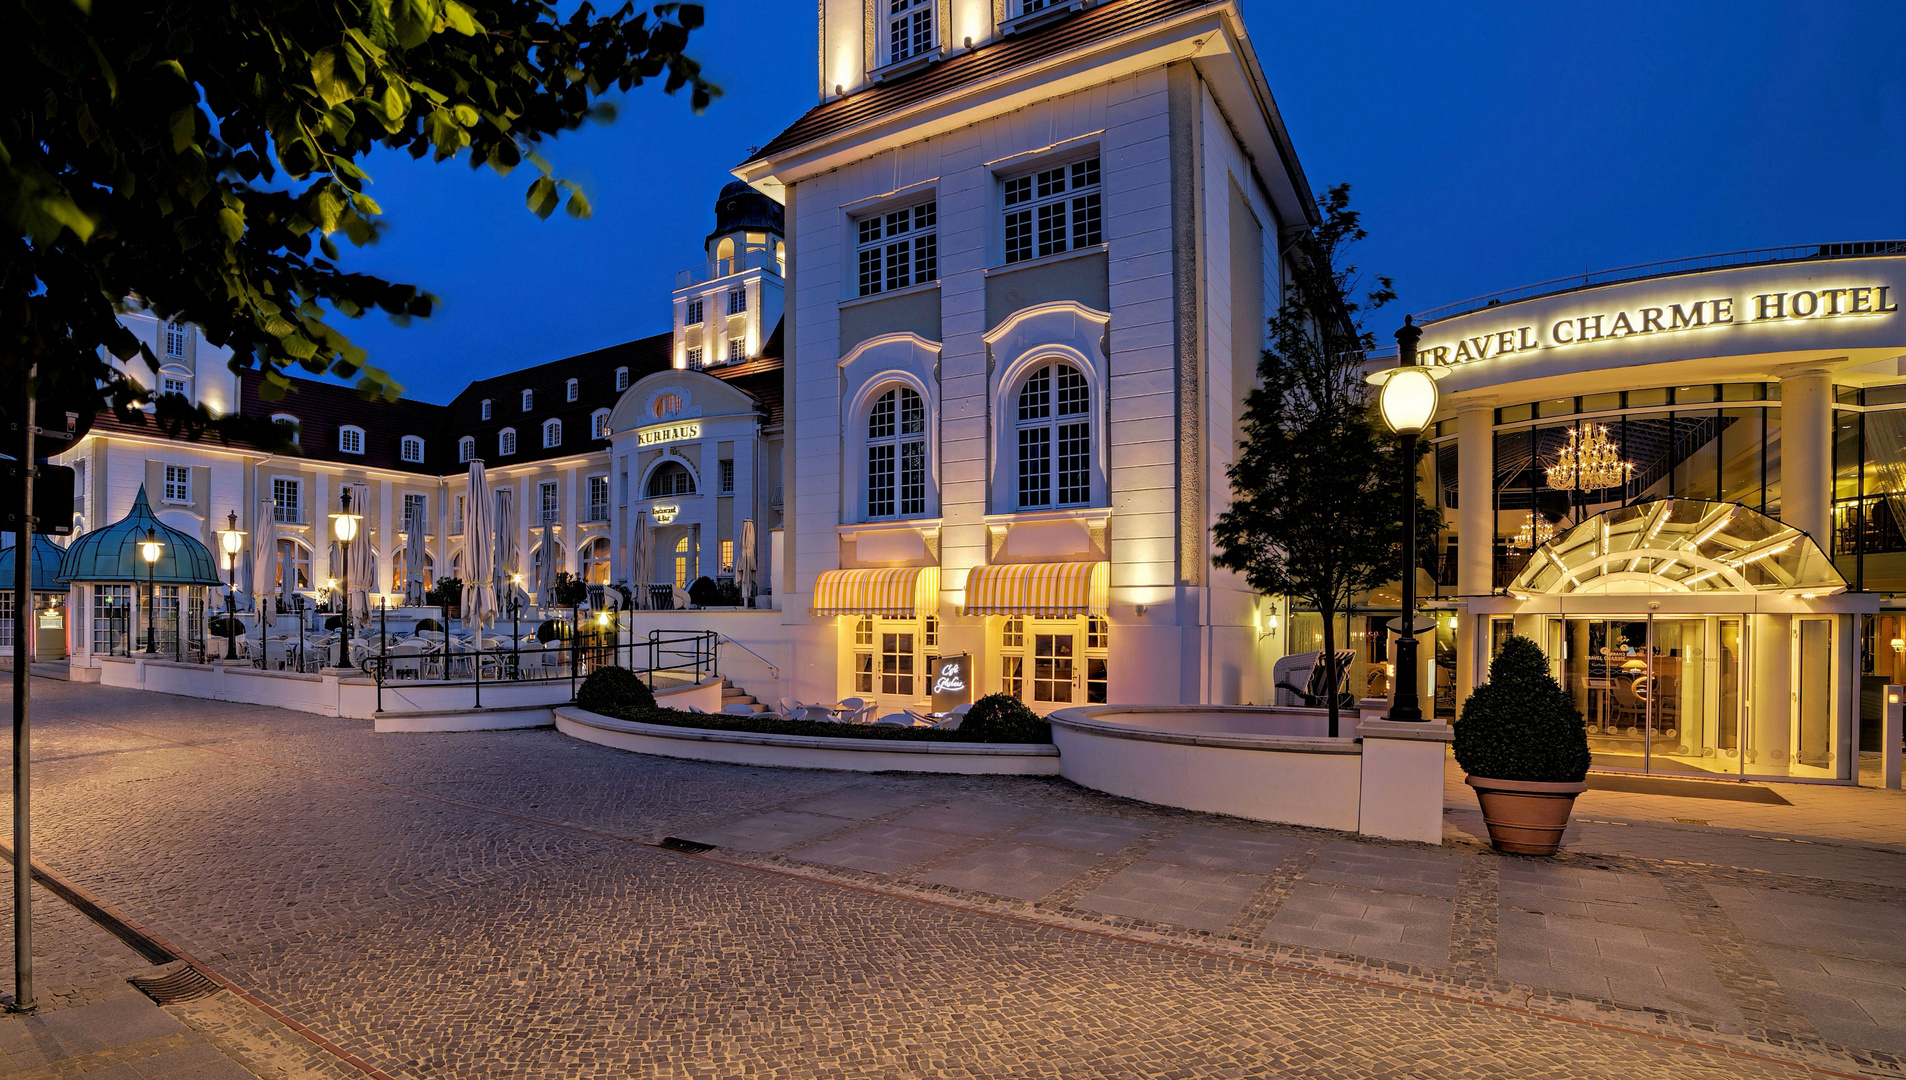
(689, 654)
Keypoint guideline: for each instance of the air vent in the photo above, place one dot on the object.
(186, 984)
(693, 847)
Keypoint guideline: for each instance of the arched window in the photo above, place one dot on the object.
(595, 561)
(897, 455)
(466, 448)
(667, 404)
(681, 563)
(572, 390)
(1055, 438)
(350, 439)
(400, 569)
(293, 557)
(551, 549)
(506, 441)
(599, 423)
(552, 433)
(287, 419)
(486, 408)
(413, 449)
(621, 379)
(673, 478)
(725, 256)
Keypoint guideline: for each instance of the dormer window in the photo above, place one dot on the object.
(466, 448)
(552, 434)
(529, 400)
(621, 379)
(350, 439)
(572, 389)
(287, 419)
(173, 384)
(909, 27)
(413, 449)
(486, 408)
(599, 423)
(506, 441)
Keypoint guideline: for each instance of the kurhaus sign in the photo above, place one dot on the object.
(1752, 310)
(667, 433)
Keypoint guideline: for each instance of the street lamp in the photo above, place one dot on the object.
(232, 541)
(1407, 400)
(344, 527)
(149, 550)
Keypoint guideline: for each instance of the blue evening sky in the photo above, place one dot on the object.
(1489, 145)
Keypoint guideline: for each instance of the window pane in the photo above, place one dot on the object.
(1085, 173)
(913, 478)
(913, 413)
(1035, 399)
(870, 271)
(1075, 463)
(899, 265)
(1085, 220)
(1052, 228)
(880, 421)
(1019, 236)
(1035, 467)
(926, 259)
(1018, 191)
(1074, 397)
(880, 480)
(1051, 182)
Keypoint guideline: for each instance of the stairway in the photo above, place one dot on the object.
(734, 695)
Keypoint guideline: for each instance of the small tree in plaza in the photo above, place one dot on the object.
(1318, 505)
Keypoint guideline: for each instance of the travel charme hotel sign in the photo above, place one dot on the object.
(1753, 310)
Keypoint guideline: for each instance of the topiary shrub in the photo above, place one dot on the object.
(1521, 725)
(613, 690)
(702, 592)
(552, 630)
(1003, 718)
(429, 624)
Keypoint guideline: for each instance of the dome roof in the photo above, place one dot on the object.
(742, 207)
(112, 553)
(46, 566)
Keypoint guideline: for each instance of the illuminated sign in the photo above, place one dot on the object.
(667, 433)
(952, 681)
(1752, 310)
(666, 514)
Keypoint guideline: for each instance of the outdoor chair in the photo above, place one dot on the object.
(817, 713)
(1315, 693)
(738, 710)
(919, 719)
(895, 720)
(849, 706)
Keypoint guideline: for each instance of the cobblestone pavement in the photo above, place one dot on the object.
(492, 904)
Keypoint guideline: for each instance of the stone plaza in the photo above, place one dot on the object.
(500, 904)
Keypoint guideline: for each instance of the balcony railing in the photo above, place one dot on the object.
(290, 515)
(752, 258)
(597, 515)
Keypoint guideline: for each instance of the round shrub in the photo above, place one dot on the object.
(1521, 725)
(611, 690)
(552, 630)
(702, 592)
(1003, 718)
(429, 624)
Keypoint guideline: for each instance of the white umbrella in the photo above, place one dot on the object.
(744, 561)
(414, 585)
(639, 558)
(506, 550)
(264, 554)
(479, 591)
(363, 565)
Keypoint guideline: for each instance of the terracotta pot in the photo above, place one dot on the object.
(1525, 817)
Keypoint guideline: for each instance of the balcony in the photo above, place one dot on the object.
(290, 515)
(749, 258)
(597, 515)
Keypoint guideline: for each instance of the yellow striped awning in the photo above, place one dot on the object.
(904, 593)
(1041, 590)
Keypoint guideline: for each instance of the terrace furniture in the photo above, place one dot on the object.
(850, 706)
(1315, 693)
(898, 719)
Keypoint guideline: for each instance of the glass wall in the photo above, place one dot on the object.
(1869, 487)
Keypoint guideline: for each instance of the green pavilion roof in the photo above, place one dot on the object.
(46, 566)
(112, 553)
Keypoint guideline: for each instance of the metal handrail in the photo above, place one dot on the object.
(1640, 271)
(773, 672)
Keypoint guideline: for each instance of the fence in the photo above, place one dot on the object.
(688, 655)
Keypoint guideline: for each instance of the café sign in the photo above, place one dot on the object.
(1753, 310)
(667, 433)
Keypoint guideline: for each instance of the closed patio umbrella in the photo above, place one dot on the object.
(506, 549)
(744, 562)
(641, 554)
(264, 554)
(479, 592)
(414, 585)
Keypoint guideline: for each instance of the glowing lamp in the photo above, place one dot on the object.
(602, 619)
(150, 547)
(1408, 399)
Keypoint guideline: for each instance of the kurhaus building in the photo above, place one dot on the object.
(1687, 483)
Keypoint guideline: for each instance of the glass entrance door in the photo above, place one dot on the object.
(1654, 697)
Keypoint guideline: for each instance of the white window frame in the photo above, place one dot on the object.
(1060, 331)
(727, 478)
(738, 300)
(692, 313)
(487, 406)
(466, 449)
(1052, 209)
(287, 511)
(506, 442)
(621, 379)
(737, 350)
(897, 248)
(573, 389)
(908, 29)
(422, 502)
(868, 372)
(183, 488)
(552, 434)
(529, 400)
(1049, 404)
(884, 450)
(176, 335)
(599, 424)
(411, 449)
(694, 356)
(347, 444)
(175, 384)
(598, 510)
(549, 502)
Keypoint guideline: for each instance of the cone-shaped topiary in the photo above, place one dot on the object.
(609, 690)
(1521, 725)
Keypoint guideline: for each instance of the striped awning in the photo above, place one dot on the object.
(904, 593)
(1041, 590)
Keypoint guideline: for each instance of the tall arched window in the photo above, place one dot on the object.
(897, 455)
(1055, 438)
(725, 256)
(506, 441)
(292, 556)
(466, 448)
(552, 433)
(672, 478)
(681, 563)
(595, 561)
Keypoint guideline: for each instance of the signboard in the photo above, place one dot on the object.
(1692, 313)
(665, 515)
(952, 682)
(667, 433)
(52, 499)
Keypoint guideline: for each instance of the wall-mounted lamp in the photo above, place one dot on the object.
(1899, 644)
(839, 90)
(1139, 611)
(969, 41)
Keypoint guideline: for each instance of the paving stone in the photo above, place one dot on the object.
(769, 831)
(881, 849)
(1410, 870)
(966, 817)
(1012, 869)
(1225, 849)
(1175, 894)
(1365, 922)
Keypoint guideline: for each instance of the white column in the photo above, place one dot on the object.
(1806, 456)
(1475, 526)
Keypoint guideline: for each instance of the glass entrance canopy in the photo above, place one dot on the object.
(1680, 546)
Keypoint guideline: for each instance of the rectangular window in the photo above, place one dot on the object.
(1095, 680)
(896, 665)
(456, 516)
(728, 478)
(175, 340)
(573, 389)
(550, 496)
(863, 672)
(1035, 467)
(727, 557)
(1052, 667)
(694, 356)
(506, 441)
(598, 498)
(350, 440)
(174, 385)
(880, 480)
(621, 379)
(692, 316)
(909, 29)
(112, 618)
(1012, 675)
(1053, 210)
(529, 400)
(486, 408)
(287, 501)
(930, 632)
(416, 514)
(1075, 463)
(899, 248)
(178, 483)
(737, 301)
(737, 349)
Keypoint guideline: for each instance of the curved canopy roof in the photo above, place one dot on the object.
(112, 553)
(46, 566)
(1680, 545)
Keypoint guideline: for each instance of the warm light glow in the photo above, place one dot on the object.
(1408, 400)
(149, 549)
(602, 619)
(1899, 644)
(345, 526)
(1590, 462)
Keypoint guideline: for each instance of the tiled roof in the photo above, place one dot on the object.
(323, 408)
(1108, 19)
(760, 377)
(594, 373)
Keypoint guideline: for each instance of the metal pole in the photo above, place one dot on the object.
(23, 999)
(1404, 706)
(344, 628)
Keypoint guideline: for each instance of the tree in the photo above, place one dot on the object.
(200, 159)
(1318, 500)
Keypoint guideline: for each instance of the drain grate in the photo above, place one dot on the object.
(693, 847)
(186, 984)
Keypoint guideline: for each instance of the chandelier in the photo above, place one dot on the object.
(1590, 462)
(1534, 533)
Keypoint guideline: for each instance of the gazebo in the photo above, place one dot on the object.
(48, 618)
(109, 586)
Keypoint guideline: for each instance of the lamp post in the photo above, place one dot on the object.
(232, 541)
(344, 527)
(1407, 400)
(149, 550)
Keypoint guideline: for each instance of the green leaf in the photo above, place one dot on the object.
(184, 127)
(460, 19)
(396, 101)
(232, 224)
(578, 204)
(327, 79)
(542, 197)
(465, 115)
